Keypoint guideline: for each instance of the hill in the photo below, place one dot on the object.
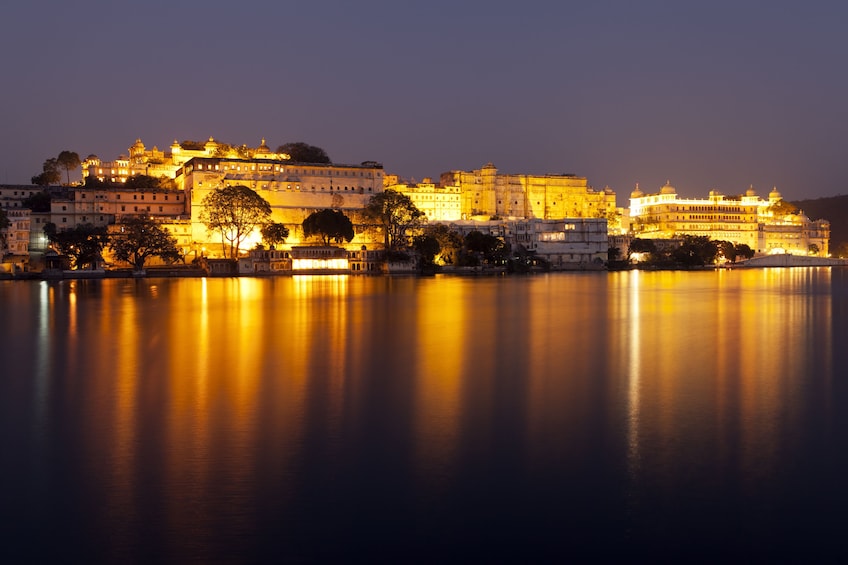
(835, 210)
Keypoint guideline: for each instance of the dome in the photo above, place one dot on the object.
(636, 192)
(668, 189)
(751, 191)
(774, 194)
(264, 149)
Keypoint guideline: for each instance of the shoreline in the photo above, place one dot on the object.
(769, 261)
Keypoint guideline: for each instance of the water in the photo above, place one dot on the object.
(666, 415)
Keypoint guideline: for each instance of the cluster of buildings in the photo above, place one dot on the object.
(560, 218)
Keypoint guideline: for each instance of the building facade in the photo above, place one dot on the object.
(294, 190)
(103, 206)
(486, 193)
(763, 225)
(166, 164)
(566, 244)
(438, 203)
(14, 239)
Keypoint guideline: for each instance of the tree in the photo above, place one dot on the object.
(727, 250)
(301, 152)
(49, 173)
(782, 208)
(234, 212)
(638, 245)
(192, 145)
(143, 181)
(450, 242)
(330, 225)
(491, 248)
(696, 250)
(274, 234)
(4, 223)
(613, 253)
(142, 238)
(427, 247)
(813, 249)
(396, 214)
(743, 250)
(69, 161)
(83, 243)
(38, 202)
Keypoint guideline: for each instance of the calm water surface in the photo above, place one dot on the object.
(567, 416)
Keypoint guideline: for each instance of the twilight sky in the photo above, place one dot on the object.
(716, 95)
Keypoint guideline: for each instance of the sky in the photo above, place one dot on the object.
(709, 95)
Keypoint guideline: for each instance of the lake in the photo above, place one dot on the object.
(568, 416)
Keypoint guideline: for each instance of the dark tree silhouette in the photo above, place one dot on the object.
(301, 152)
(330, 225)
(396, 214)
(274, 234)
(142, 238)
(83, 243)
(69, 161)
(234, 212)
(49, 173)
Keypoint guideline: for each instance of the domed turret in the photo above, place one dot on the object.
(263, 149)
(775, 195)
(636, 192)
(751, 191)
(668, 189)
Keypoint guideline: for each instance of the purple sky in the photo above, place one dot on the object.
(716, 95)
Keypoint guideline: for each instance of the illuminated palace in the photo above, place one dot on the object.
(558, 217)
(294, 190)
(766, 226)
(158, 164)
(485, 193)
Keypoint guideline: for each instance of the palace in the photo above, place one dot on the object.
(486, 193)
(439, 203)
(766, 226)
(158, 164)
(294, 190)
(557, 217)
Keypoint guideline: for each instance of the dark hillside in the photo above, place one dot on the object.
(833, 209)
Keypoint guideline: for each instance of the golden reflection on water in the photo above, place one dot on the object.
(441, 327)
(715, 362)
(217, 383)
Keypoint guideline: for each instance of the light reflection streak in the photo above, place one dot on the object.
(44, 349)
(634, 373)
(441, 325)
(122, 466)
